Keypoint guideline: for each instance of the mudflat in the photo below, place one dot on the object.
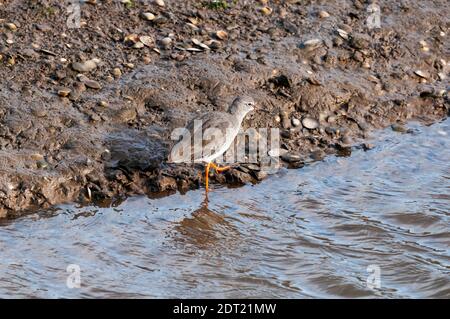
(87, 106)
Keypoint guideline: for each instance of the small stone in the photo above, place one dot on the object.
(346, 140)
(148, 41)
(331, 119)
(127, 114)
(42, 164)
(421, 74)
(295, 122)
(11, 26)
(266, 10)
(342, 33)
(368, 146)
(222, 35)
(310, 123)
(43, 27)
(138, 45)
(146, 59)
(148, 16)
(324, 14)
(290, 157)
(92, 84)
(166, 42)
(399, 128)
(277, 119)
(317, 155)
(63, 92)
(85, 66)
(117, 73)
(312, 44)
(37, 157)
(366, 65)
(131, 39)
(261, 175)
(103, 103)
(160, 3)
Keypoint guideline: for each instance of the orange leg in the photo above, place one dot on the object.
(207, 175)
(216, 168)
(220, 169)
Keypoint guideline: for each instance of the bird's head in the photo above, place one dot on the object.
(242, 105)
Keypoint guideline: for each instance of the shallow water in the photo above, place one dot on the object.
(327, 230)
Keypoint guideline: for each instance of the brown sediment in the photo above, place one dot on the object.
(106, 133)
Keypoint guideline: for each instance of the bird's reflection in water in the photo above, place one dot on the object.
(206, 229)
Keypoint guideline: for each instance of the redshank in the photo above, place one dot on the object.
(227, 124)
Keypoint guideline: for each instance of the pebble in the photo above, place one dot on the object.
(42, 164)
(166, 42)
(117, 72)
(310, 123)
(11, 26)
(317, 155)
(399, 128)
(324, 14)
(266, 10)
(421, 74)
(37, 157)
(295, 121)
(127, 114)
(312, 44)
(222, 35)
(148, 16)
(138, 45)
(342, 33)
(290, 157)
(366, 65)
(424, 46)
(92, 84)
(11, 61)
(146, 59)
(85, 66)
(331, 119)
(88, 82)
(277, 119)
(147, 41)
(346, 139)
(63, 92)
(43, 27)
(160, 3)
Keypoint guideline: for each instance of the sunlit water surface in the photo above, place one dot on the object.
(327, 230)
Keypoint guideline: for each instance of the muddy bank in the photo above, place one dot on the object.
(86, 113)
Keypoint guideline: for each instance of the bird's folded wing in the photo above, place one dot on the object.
(208, 136)
(214, 134)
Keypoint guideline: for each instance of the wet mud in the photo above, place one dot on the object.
(86, 113)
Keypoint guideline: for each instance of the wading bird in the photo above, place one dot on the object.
(225, 124)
